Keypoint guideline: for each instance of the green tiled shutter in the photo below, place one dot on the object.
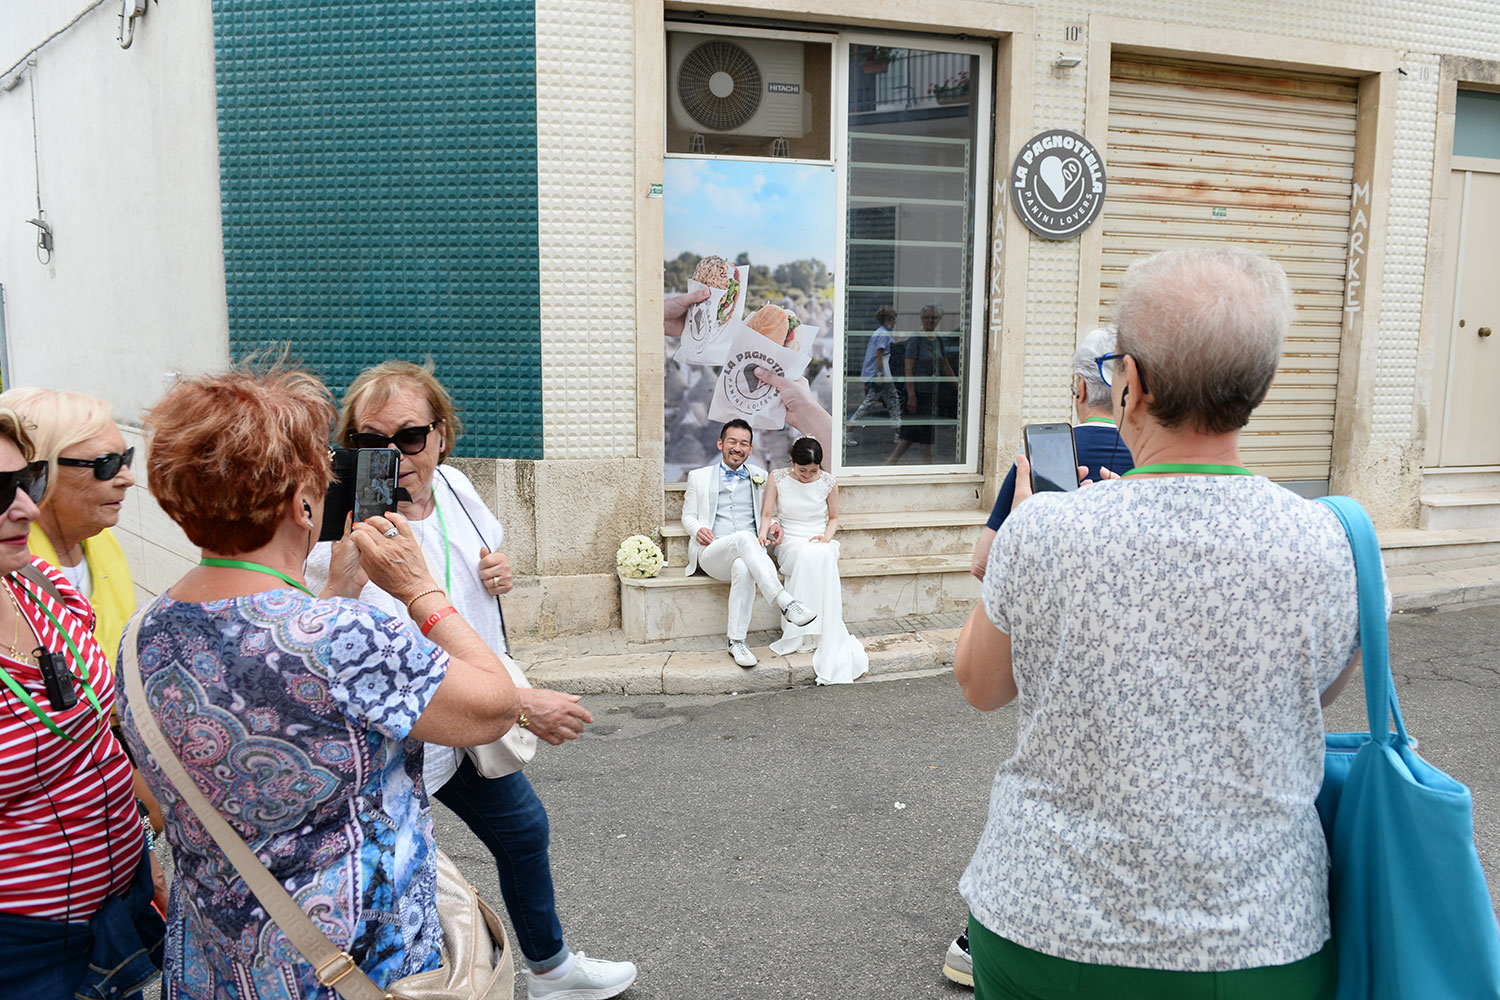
(378, 175)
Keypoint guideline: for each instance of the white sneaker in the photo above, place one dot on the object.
(588, 979)
(958, 965)
(798, 613)
(742, 654)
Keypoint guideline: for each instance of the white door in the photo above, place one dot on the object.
(1471, 411)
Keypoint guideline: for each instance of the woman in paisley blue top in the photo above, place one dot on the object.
(301, 719)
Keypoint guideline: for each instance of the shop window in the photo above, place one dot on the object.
(838, 179)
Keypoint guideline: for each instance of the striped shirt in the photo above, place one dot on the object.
(69, 832)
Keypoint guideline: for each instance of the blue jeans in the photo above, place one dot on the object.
(506, 814)
(114, 955)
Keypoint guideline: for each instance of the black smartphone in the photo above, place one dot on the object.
(364, 484)
(1054, 460)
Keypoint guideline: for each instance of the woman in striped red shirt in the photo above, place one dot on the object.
(75, 876)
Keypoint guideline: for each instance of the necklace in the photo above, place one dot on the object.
(15, 639)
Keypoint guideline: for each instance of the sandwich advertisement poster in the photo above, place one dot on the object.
(756, 236)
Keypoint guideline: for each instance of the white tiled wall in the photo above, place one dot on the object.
(585, 164)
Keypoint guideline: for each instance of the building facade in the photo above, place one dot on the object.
(522, 191)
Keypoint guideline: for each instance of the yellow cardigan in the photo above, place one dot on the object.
(114, 591)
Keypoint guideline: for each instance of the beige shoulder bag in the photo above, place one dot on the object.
(476, 961)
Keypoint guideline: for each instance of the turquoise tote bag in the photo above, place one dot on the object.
(1412, 917)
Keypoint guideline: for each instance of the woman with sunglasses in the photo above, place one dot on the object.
(403, 406)
(89, 476)
(75, 875)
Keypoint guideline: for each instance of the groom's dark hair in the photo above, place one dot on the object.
(736, 422)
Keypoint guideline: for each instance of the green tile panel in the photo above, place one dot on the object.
(378, 174)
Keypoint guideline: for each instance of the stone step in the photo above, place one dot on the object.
(1410, 546)
(887, 534)
(1469, 509)
(878, 494)
(672, 605)
(1461, 479)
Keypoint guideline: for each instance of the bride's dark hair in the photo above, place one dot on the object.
(807, 451)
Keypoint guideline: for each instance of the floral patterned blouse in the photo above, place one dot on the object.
(292, 715)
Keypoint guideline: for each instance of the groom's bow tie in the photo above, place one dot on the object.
(732, 474)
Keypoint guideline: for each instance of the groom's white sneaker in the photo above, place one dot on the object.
(742, 654)
(797, 613)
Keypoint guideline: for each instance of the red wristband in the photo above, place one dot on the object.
(436, 617)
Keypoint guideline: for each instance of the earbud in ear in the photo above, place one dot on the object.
(307, 509)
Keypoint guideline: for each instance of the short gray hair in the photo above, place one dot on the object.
(1205, 328)
(1096, 343)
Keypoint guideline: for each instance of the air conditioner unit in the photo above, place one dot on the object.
(737, 86)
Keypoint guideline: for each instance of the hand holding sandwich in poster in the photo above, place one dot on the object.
(705, 332)
(771, 340)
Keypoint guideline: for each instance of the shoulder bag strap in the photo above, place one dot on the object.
(475, 525)
(335, 969)
(1374, 640)
(36, 576)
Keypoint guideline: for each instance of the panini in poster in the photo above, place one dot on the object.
(705, 329)
(740, 391)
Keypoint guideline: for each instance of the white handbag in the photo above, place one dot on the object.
(512, 751)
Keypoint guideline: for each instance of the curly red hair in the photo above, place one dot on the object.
(225, 452)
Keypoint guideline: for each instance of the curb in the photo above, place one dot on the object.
(698, 672)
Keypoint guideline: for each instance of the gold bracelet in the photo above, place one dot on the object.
(522, 721)
(414, 600)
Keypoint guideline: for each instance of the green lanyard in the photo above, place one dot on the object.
(255, 567)
(1207, 470)
(26, 699)
(1100, 420)
(447, 549)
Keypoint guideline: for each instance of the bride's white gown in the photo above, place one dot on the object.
(811, 570)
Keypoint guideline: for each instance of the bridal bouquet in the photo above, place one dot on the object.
(639, 558)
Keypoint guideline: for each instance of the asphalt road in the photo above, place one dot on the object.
(807, 843)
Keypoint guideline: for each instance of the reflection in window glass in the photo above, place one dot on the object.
(912, 131)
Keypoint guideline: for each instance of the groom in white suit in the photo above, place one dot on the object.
(721, 512)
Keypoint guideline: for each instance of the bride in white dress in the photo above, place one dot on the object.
(805, 501)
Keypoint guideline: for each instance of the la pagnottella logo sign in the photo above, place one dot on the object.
(1057, 184)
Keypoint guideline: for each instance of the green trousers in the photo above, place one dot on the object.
(1003, 970)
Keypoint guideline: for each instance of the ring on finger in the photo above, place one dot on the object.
(391, 532)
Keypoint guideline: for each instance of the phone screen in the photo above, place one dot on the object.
(1054, 463)
(375, 482)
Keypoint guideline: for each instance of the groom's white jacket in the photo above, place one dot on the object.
(700, 504)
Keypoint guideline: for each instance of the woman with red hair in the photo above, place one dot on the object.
(301, 719)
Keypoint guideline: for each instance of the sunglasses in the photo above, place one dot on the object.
(106, 467)
(31, 478)
(408, 440)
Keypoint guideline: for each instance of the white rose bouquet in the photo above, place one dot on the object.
(639, 558)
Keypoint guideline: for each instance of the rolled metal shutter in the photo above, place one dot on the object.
(1200, 154)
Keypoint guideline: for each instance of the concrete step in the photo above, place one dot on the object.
(888, 534)
(877, 494)
(1461, 479)
(672, 605)
(1468, 509)
(1411, 546)
(1444, 583)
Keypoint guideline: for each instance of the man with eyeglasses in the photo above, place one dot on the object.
(1095, 436)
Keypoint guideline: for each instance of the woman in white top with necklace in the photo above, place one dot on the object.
(403, 406)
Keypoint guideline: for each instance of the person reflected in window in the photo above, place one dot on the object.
(880, 390)
(923, 358)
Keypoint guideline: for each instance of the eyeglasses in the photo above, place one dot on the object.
(31, 478)
(1108, 375)
(408, 440)
(106, 467)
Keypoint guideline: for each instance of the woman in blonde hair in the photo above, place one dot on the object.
(89, 475)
